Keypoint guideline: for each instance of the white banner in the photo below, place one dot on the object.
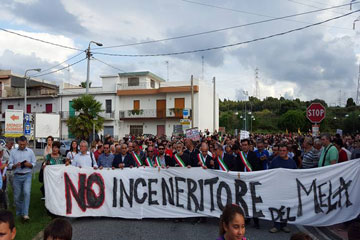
(317, 197)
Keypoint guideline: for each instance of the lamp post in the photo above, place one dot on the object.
(88, 55)
(247, 95)
(25, 83)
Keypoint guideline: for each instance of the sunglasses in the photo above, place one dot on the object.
(150, 151)
(161, 148)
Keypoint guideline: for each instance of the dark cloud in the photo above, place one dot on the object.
(305, 59)
(49, 14)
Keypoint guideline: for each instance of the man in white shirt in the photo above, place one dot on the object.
(83, 158)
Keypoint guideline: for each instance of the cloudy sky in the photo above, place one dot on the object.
(317, 62)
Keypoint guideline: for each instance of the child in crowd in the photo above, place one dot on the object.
(59, 229)
(232, 223)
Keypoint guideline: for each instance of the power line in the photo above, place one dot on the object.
(228, 45)
(60, 69)
(108, 64)
(47, 69)
(223, 29)
(312, 6)
(40, 40)
(236, 10)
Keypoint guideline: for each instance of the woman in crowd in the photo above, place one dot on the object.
(54, 157)
(49, 143)
(232, 223)
(73, 151)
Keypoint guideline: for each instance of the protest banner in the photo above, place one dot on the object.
(193, 134)
(317, 197)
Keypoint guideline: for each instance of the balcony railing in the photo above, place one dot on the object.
(126, 86)
(106, 115)
(67, 114)
(151, 113)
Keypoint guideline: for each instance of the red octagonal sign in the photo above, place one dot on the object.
(315, 112)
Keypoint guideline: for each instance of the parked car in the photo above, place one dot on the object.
(2, 142)
(65, 147)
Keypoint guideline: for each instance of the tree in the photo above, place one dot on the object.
(81, 125)
(83, 84)
(292, 120)
(350, 102)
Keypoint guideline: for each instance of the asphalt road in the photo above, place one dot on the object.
(109, 228)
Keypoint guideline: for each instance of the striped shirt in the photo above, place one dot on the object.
(310, 159)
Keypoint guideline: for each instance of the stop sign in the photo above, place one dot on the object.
(315, 112)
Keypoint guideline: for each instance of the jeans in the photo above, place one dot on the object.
(22, 186)
(279, 226)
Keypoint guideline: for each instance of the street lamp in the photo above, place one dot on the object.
(25, 90)
(246, 93)
(88, 55)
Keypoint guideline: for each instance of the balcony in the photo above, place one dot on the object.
(107, 116)
(151, 113)
(126, 86)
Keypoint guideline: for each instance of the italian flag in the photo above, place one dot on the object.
(179, 161)
(137, 159)
(222, 164)
(149, 162)
(201, 159)
(245, 162)
(157, 161)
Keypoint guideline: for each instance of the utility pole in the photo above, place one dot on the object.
(192, 101)
(167, 70)
(202, 68)
(214, 105)
(358, 89)
(88, 56)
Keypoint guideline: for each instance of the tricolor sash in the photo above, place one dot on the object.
(137, 159)
(202, 159)
(149, 162)
(245, 162)
(222, 164)
(157, 161)
(179, 161)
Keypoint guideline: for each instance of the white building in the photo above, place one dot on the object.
(143, 103)
(42, 96)
(133, 103)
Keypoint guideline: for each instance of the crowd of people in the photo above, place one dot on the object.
(219, 152)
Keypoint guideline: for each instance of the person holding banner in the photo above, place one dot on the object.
(204, 160)
(162, 160)
(137, 155)
(149, 159)
(84, 158)
(123, 159)
(247, 161)
(282, 161)
(223, 161)
(106, 158)
(180, 158)
(192, 152)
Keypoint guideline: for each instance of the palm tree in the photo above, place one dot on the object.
(88, 109)
(83, 84)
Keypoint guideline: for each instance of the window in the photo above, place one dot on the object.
(48, 108)
(108, 106)
(10, 106)
(136, 130)
(152, 83)
(28, 108)
(134, 81)
(136, 105)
